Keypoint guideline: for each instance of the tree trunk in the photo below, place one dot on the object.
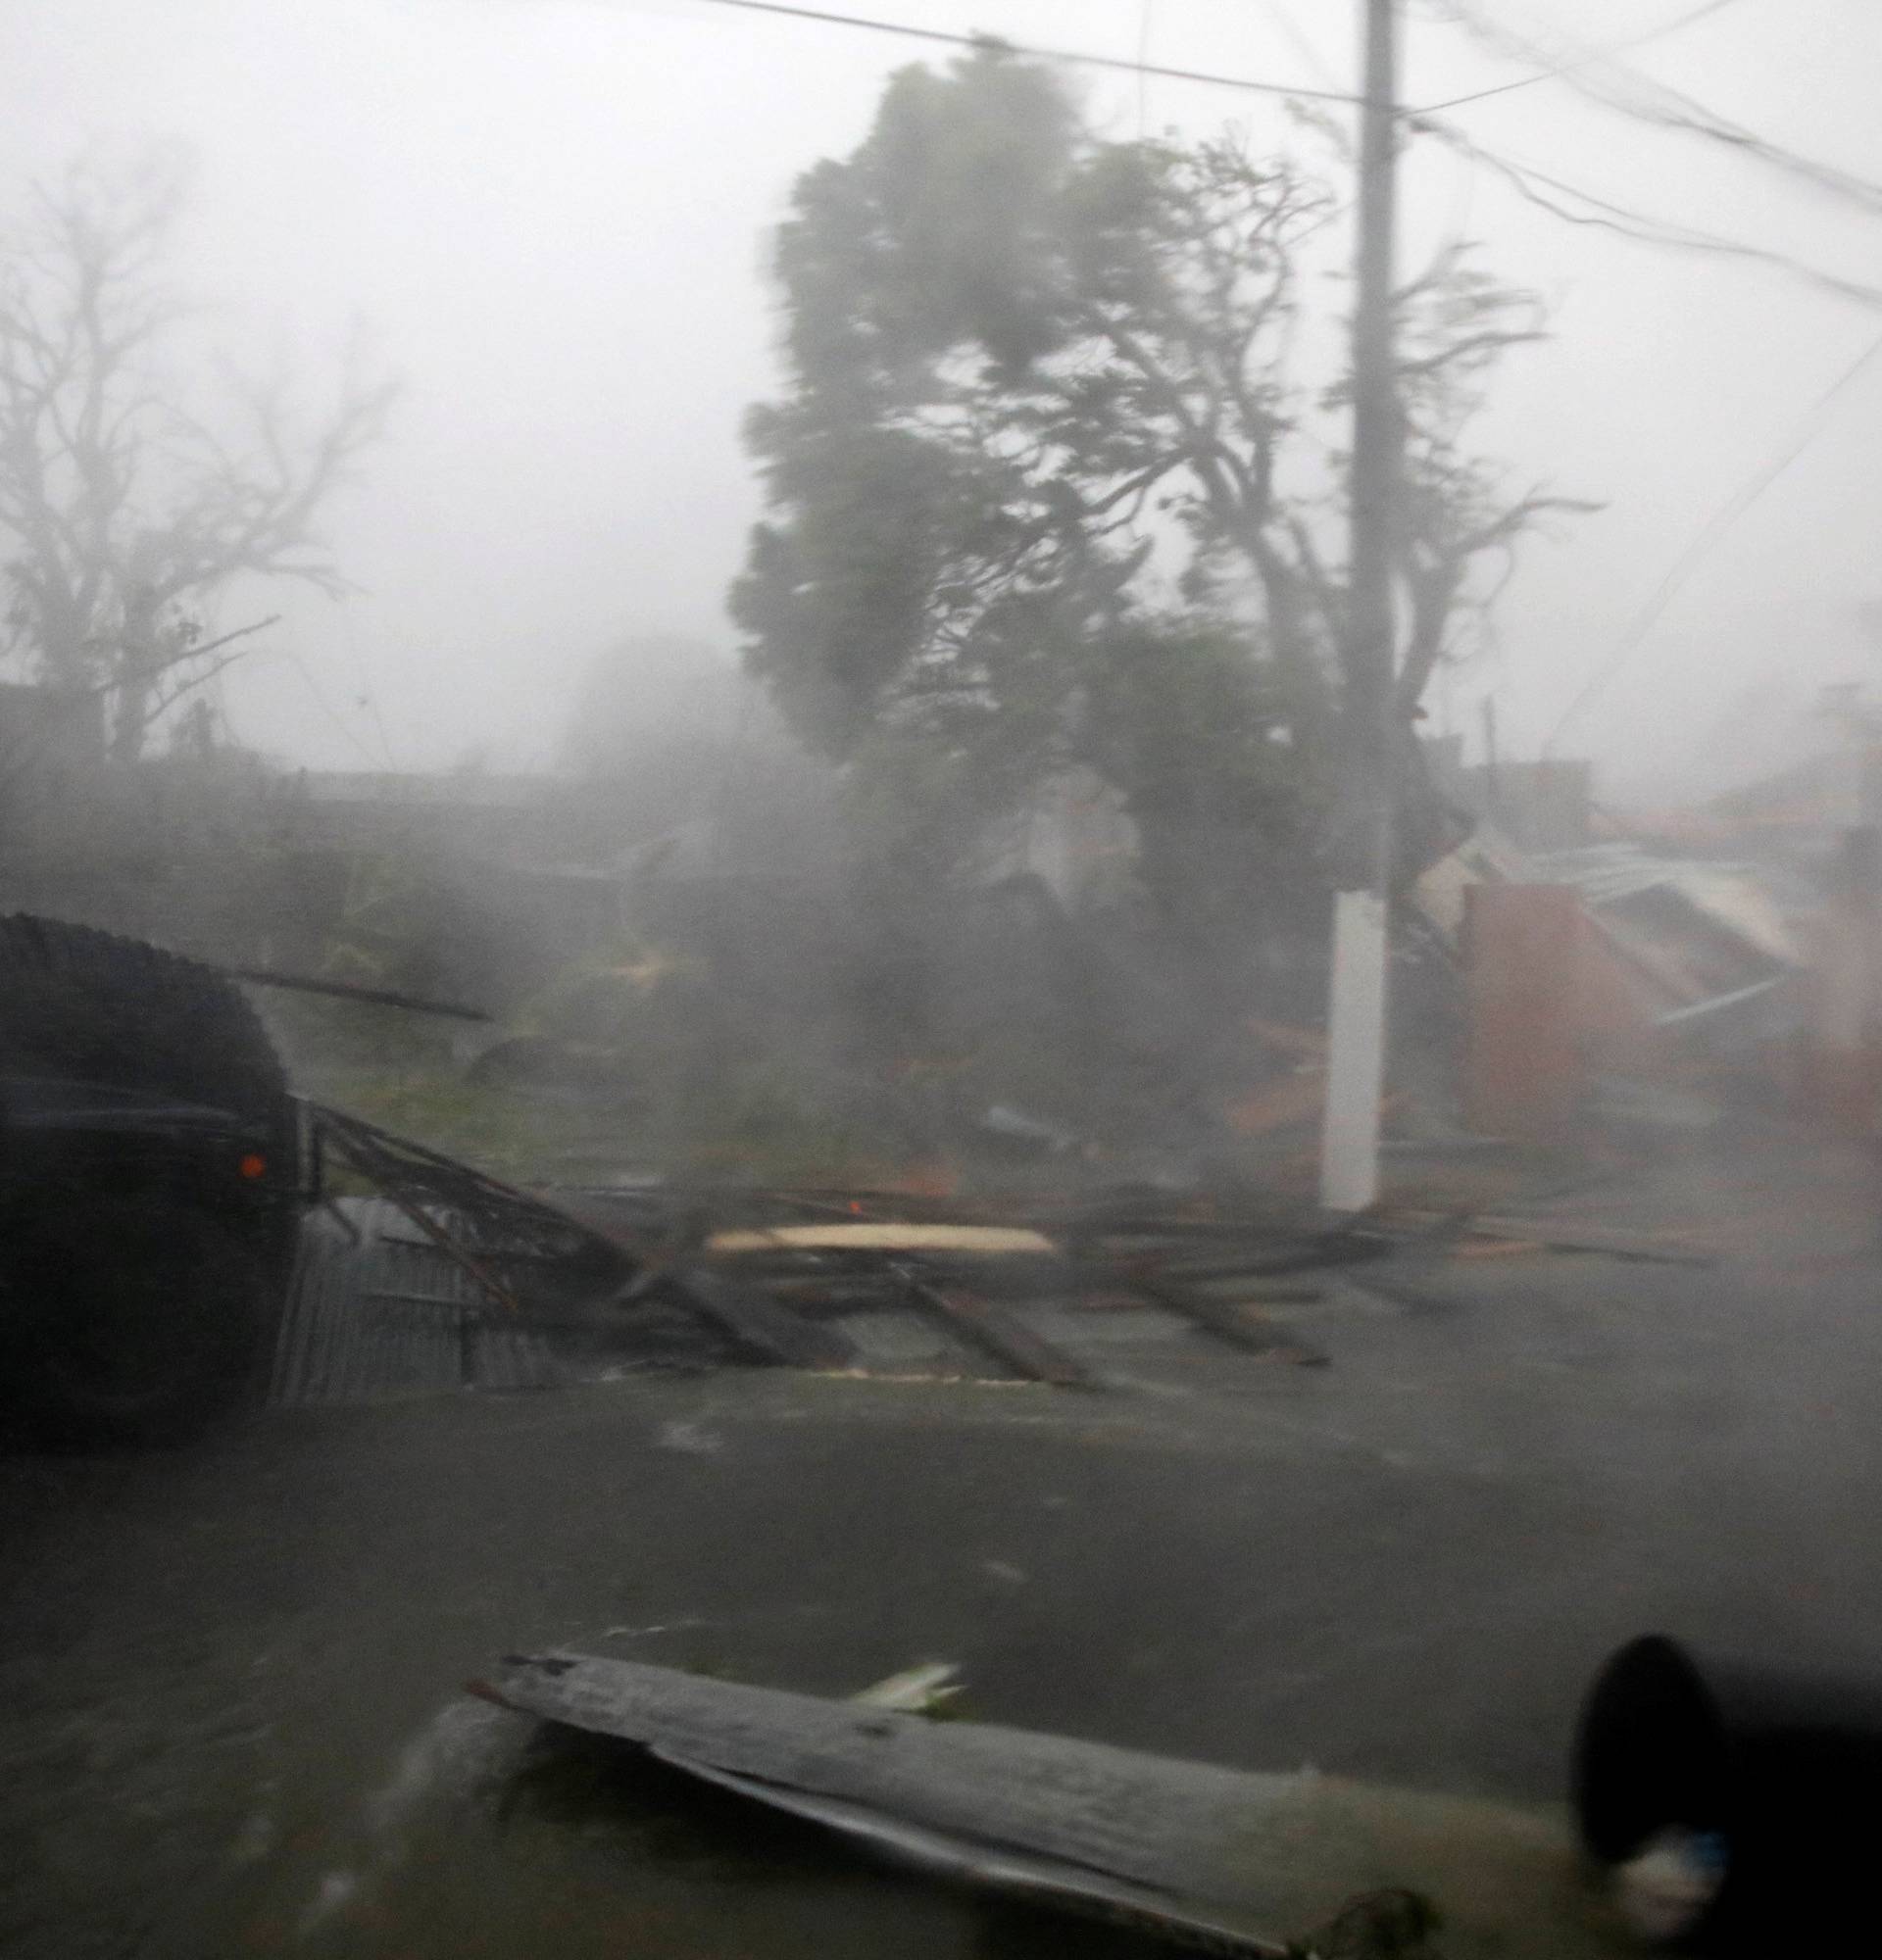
(138, 662)
(130, 717)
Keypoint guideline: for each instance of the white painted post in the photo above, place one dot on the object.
(1357, 996)
(1356, 1055)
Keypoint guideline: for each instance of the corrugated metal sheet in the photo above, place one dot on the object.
(385, 1315)
(1729, 894)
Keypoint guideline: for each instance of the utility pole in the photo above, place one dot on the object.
(1357, 1006)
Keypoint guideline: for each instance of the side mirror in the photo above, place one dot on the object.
(1736, 1806)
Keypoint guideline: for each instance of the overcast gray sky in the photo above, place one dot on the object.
(552, 214)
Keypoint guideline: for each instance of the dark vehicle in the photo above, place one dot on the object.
(150, 1186)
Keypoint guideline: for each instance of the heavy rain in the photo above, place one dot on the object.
(940, 978)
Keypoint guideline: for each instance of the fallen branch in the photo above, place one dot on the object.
(346, 990)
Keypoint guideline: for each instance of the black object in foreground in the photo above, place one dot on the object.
(1736, 1801)
(150, 1186)
(1232, 1861)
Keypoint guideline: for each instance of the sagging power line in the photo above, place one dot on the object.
(1542, 189)
(1588, 60)
(1603, 81)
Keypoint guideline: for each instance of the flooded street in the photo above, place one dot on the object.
(233, 1675)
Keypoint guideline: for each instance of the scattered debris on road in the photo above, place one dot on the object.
(648, 1276)
(515, 1287)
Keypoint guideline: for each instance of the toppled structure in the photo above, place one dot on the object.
(1694, 938)
(1609, 968)
(453, 1279)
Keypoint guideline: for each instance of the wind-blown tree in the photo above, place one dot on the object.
(130, 500)
(1056, 480)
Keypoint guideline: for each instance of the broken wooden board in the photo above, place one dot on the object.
(1243, 1278)
(1001, 1333)
(1233, 1322)
(757, 1321)
(886, 1236)
(1262, 1862)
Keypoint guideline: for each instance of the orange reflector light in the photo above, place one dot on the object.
(253, 1166)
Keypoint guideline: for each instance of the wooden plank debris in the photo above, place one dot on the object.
(1231, 1322)
(1002, 1334)
(775, 1273)
(889, 1236)
(755, 1320)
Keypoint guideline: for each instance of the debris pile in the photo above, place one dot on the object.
(448, 1278)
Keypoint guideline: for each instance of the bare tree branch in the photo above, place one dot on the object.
(125, 509)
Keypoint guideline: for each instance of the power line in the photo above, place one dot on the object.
(1532, 183)
(1684, 21)
(1524, 179)
(1284, 17)
(1643, 99)
(1660, 33)
(1658, 104)
(1078, 57)
(1632, 224)
(1710, 535)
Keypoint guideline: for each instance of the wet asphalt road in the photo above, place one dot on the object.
(230, 1676)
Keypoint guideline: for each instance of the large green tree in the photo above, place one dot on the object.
(1057, 475)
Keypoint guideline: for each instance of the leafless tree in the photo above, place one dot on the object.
(129, 502)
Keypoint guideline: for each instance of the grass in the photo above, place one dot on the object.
(753, 1125)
